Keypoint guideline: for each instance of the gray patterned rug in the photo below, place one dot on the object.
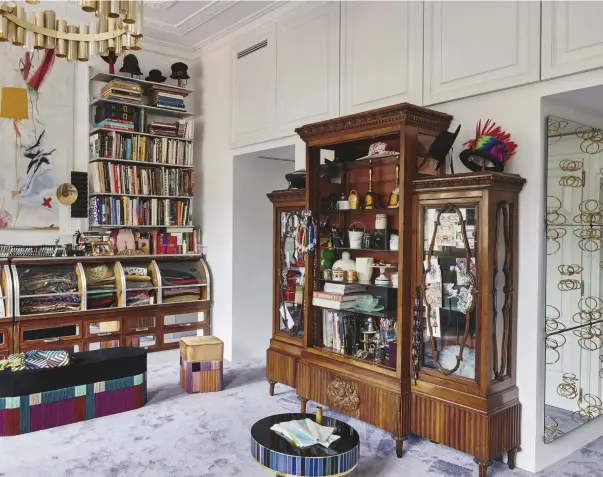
(206, 435)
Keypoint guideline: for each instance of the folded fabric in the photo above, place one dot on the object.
(174, 299)
(98, 273)
(305, 433)
(137, 278)
(140, 271)
(36, 359)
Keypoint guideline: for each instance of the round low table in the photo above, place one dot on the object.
(276, 453)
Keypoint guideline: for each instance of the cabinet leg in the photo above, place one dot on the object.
(511, 455)
(303, 402)
(483, 467)
(271, 389)
(399, 445)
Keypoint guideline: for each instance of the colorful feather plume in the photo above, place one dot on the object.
(493, 140)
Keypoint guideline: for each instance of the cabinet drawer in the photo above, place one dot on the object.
(183, 320)
(143, 340)
(355, 398)
(67, 345)
(106, 327)
(5, 334)
(140, 323)
(50, 333)
(172, 337)
(96, 342)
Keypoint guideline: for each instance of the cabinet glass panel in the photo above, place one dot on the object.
(169, 338)
(292, 271)
(48, 289)
(104, 327)
(448, 287)
(181, 281)
(69, 346)
(141, 284)
(184, 319)
(139, 323)
(2, 338)
(101, 286)
(51, 334)
(143, 341)
(94, 345)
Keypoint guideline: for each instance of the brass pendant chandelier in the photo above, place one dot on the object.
(117, 28)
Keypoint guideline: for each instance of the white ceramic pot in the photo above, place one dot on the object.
(364, 268)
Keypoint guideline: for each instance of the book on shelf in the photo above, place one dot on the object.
(343, 288)
(111, 178)
(335, 297)
(116, 124)
(115, 211)
(140, 148)
(335, 305)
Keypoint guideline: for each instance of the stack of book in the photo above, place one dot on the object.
(116, 125)
(122, 91)
(162, 96)
(176, 241)
(163, 129)
(338, 296)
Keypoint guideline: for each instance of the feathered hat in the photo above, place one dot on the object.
(491, 144)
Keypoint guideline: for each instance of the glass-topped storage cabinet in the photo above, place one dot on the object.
(6, 309)
(88, 303)
(289, 288)
(464, 317)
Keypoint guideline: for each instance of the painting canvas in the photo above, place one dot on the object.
(36, 136)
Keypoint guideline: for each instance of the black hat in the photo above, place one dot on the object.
(131, 65)
(179, 71)
(441, 146)
(155, 76)
(296, 179)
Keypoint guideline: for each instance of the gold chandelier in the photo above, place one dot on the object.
(117, 28)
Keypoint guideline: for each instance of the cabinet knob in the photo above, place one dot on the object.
(142, 329)
(51, 340)
(185, 324)
(108, 333)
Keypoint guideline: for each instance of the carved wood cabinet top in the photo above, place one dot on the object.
(472, 180)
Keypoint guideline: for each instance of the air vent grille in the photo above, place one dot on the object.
(251, 49)
(79, 209)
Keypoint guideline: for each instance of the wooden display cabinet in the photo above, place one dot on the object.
(287, 338)
(336, 367)
(6, 310)
(109, 312)
(464, 228)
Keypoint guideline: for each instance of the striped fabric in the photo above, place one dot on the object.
(34, 412)
(334, 465)
(36, 359)
(201, 377)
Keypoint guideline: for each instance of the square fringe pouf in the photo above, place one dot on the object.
(201, 364)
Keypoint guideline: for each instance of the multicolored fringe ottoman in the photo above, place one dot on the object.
(201, 364)
(98, 383)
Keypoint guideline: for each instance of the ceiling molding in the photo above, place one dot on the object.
(159, 5)
(237, 25)
(168, 48)
(201, 16)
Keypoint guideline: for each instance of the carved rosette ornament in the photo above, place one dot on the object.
(342, 396)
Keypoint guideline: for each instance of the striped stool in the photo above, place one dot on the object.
(201, 365)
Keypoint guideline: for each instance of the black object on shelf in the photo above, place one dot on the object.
(79, 209)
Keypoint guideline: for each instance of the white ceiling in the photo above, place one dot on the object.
(190, 23)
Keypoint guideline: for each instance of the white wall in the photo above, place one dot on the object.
(253, 250)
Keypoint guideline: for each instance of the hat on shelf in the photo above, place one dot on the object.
(296, 179)
(379, 149)
(179, 71)
(111, 58)
(155, 76)
(441, 146)
(130, 65)
(492, 144)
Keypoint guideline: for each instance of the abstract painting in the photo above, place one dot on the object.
(36, 136)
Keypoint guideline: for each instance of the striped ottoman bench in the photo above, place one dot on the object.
(98, 383)
(201, 364)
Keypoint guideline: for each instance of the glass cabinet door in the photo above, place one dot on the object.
(102, 285)
(448, 289)
(182, 281)
(291, 275)
(141, 283)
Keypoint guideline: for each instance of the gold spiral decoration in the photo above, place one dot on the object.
(571, 181)
(556, 125)
(591, 309)
(589, 408)
(553, 235)
(573, 269)
(589, 337)
(553, 206)
(552, 344)
(567, 388)
(569, 165)
(551, 430)
(591, 239)
(591, 213)
(569, 285)
(591, 139)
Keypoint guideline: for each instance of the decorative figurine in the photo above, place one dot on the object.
(369, 198)
(353, 200)
(394, 197)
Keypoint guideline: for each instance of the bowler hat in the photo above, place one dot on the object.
(155, 76)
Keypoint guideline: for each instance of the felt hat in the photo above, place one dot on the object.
(296, 179)
(379, 149)
(155, 76)
(441, 146)
(491, 144)
(130, 65)
(179, 71)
